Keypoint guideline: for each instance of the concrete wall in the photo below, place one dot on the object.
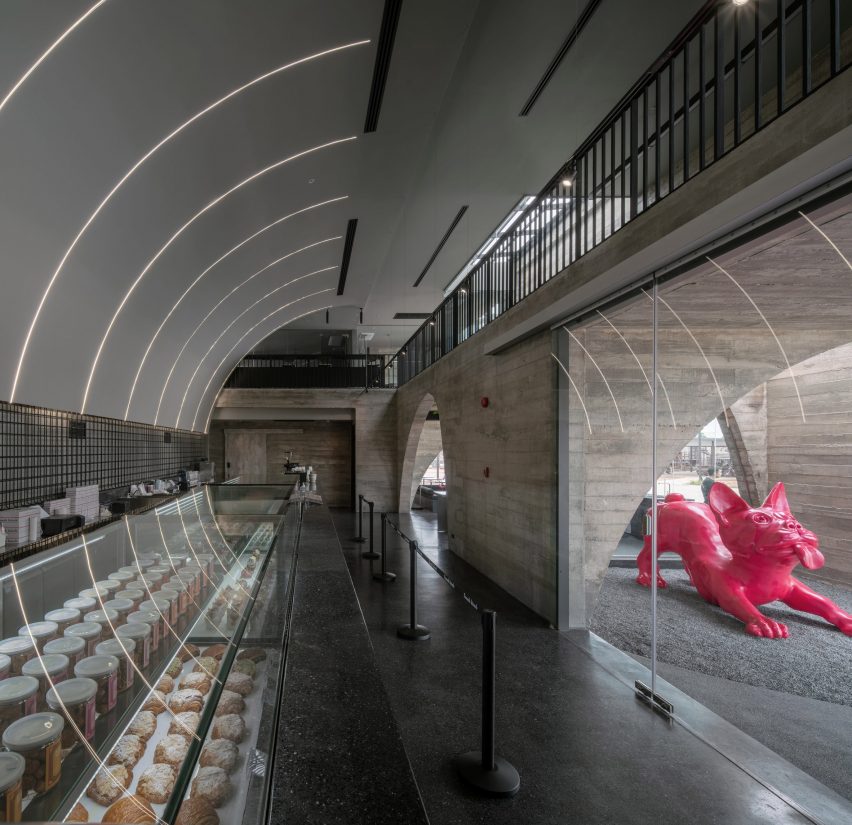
(428, 447)
(374, 416)
(504, 524)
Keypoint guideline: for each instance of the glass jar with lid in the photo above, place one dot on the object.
(140, 633)
(74, 699)
(106, 618)
(89, 632)
(104, 671)
(177, 560)
(17, 699)
(84, 604)
(123, 650)
(122, 607)
(162, 608)
(51, 668)
(11, 775)
(40, 632)
(96, 593)
(134, 594)
(38, 738)
(153, 580)
(110, 585)
(5, 666)
(122, 577)
(152, 620)
(172, 597)
(133, 569)
(19, 649)
(71, 646)
(162, 570)
(149, 560)
(64, 618)
(183, 592)
(206, 560)
(191, 575)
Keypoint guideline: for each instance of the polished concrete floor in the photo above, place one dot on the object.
(587, 750)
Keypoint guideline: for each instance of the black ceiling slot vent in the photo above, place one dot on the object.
(578, 27)
(440, 246)
(412, 316)
(384, 50)
(347, 254)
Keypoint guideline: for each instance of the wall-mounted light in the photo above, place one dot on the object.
(740, 2)
(569, 176)
(431, 323)
(361, 315)
(463, 291)
(326, 316)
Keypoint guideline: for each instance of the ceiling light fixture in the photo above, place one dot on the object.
(133, 169)
(179, 232)
(740, 2)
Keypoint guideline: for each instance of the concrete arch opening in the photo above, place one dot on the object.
(423, 447)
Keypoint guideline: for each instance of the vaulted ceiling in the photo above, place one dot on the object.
(177, 176)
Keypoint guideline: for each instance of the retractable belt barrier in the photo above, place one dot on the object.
(483, 769)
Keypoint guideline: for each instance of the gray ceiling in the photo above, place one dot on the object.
(134, 71)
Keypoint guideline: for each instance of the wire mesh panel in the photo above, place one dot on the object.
(43, 451)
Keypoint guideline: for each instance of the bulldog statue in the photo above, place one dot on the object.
(739, 557)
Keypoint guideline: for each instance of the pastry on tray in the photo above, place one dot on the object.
(127, 751)
(188, 651)
(143, 725)
(157, 783)
(166, 683)
(174, 668)
(186, 699)
(78, 814)
(129, 811)
(246, 666)
(196, 681)
(231, 726)
(171, 750)
(216, 651)
(213, 785)
(239, 683)
(185, 724)
(220, 753)
(156, 702)
(256, 654)
(197, 811)
(206, 664)
(229, 702)
(109, 784)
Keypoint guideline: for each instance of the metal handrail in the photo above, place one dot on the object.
(732, 70)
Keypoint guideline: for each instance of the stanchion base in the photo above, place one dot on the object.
(384, 577)
(502, 781)
(418, 633)
(358, 539)
(369, 554)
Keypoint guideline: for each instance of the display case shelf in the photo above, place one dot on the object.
(226, 562)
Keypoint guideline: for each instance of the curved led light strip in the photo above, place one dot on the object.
(204, 530)
(234, 321)
(296, 318)
(606, 383)
(186, 343)
(179, 232)
(737, 284)
(831, 243)
(133, 169)
(639, 363)
(216, 263)
(46, 53)
(215, 520)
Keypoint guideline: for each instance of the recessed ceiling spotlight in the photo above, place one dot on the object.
(312, 180)
(740, 2)
(570, 175)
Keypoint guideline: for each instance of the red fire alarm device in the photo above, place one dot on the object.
(484, 400)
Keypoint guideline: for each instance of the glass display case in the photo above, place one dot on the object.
(140, 664)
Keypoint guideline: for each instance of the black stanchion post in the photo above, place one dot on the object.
(360, 537)
(384, 576)
(412, 631)
(483, 768)
(371, 553)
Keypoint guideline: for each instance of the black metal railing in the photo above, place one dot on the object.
(732, 71)
(311, 371)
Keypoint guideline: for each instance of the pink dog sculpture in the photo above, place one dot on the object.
(739, 557)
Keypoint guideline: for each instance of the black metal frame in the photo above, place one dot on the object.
(308, 371)
(44, 451)
(635, 162)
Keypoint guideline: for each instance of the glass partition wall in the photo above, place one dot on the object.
(738, 592)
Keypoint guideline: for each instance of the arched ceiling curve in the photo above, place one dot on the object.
(176, 177)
